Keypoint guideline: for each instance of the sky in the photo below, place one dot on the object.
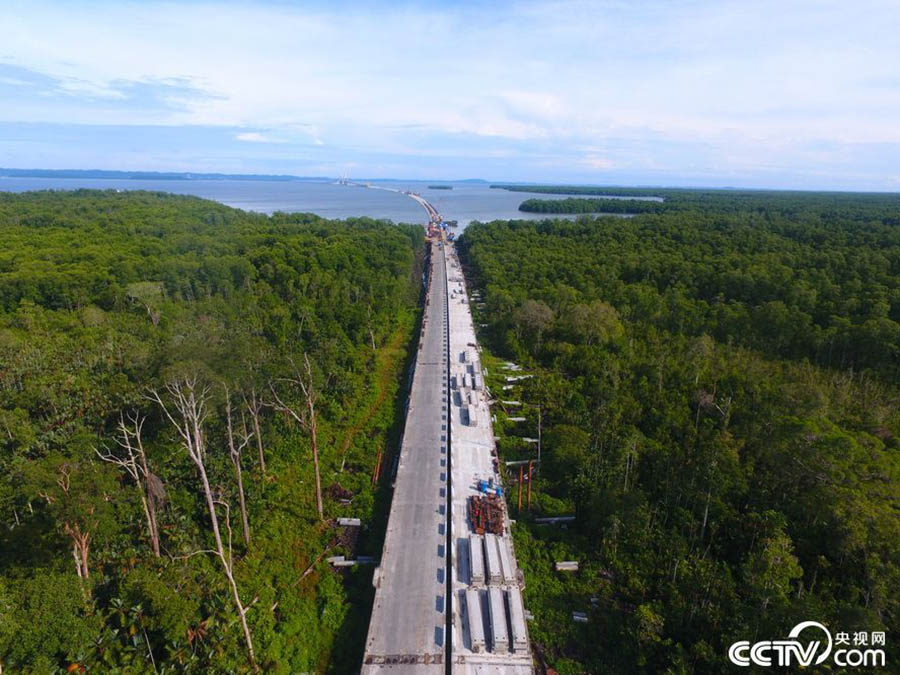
(749, 93)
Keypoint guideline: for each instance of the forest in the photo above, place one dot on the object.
(190, 397)
(574, 205)
(717, 393)
(815, 208)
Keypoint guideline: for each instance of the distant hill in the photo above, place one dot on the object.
(186, 175)
(148, 175)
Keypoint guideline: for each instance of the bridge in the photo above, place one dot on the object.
(448, 590)
(434, 218)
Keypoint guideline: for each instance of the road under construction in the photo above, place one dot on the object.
(448, 595)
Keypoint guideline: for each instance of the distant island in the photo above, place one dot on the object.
(440, 187)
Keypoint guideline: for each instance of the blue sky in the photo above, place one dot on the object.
(757, 93)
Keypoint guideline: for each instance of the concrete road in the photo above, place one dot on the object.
(407, 631)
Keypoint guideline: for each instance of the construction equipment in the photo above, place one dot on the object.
(489, 487)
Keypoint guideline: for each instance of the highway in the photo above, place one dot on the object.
(430, 614)
(407, 631)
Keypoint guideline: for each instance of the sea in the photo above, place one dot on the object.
(465, 202)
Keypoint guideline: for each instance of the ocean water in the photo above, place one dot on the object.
(464, 203)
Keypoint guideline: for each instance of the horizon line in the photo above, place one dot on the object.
(128, 174)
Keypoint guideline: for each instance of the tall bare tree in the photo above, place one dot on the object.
(254, 405)
(133, 460)
(234, 450)
(188, 414)
(305, 416)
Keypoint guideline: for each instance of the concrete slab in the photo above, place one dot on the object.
(472, 457)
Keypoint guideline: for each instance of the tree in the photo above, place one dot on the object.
(190, 400)
(234, 451)
(133, 461)
(254, 405)
(306, 417)
(533, 318)
(79, 495)
(772, 566)
(597, 322)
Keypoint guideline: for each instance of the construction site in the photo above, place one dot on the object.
(448, 590)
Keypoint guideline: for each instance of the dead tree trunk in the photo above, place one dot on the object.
(307, 419)
(235, 452)
(78, 535)
(190, 402)
(134, 463)
(254, 406)
(81, 547)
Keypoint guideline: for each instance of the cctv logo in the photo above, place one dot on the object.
(792, 651)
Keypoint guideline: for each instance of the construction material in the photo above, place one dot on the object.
(530, 469)
(506, 567)
(489, 487)
(553, 520)
(476, 620)
(499, 631)
(567, 566)
(519, 633)
(472, 415)
(486, 514)
(492, 558)
(519, 503)
(476, 560)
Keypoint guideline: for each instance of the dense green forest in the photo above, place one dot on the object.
(719, 402)
(814, 208)
(190, 395)
(573, 205)
(579, 190)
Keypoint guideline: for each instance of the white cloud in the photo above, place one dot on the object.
(722, 79)
(597, 163)
(253, 137)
